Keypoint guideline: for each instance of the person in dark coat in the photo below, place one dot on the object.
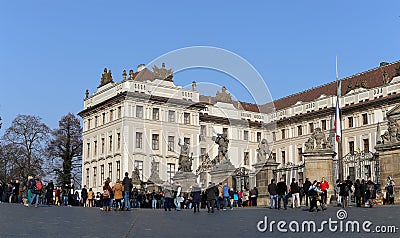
(281, 189)
(196, 197)
(49, 193)
(306, 187)
(272, 190)
(358, 192)
(212, 193)
(84, 195)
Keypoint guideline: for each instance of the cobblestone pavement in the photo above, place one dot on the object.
(19, 221)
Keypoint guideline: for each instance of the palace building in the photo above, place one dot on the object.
(143, 120)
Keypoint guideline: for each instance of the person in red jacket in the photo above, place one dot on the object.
(324, 188)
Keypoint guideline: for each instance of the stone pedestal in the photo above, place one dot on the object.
(389, 165)
(185, 179)
(318, 164)
(222, 173)
(264, 174)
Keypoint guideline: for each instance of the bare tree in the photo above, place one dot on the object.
(65, 148)
(24, 145)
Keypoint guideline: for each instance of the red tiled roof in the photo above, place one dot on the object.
(369, 79)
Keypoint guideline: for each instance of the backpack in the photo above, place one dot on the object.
(346, 188)
(39, 185)
(106, 193)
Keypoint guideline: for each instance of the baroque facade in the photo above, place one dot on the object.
(139, 124)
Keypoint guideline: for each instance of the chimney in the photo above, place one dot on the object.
(141, 67)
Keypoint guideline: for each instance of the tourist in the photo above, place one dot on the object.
(306, 187)
(315, 194)
(226, 195)
(357, 192)
(281, 190)
(246, 194)
(127, 183)
(337, 193)
(389, 187)
(118, 190)
(196, 197)
(49, 193)
(254, 196)
(219, 200)
(344, 189)
(324, 188)
(350, 191)
(370, 193)
(212, 193)
(84, 195)
(178, 196)
(295, 190)
(90, 198)
(106, 196)
(167, 197)
(273, 195)
(36, 190)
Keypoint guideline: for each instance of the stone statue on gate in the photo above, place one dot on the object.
(222, 141)
(262, 151)
(136, 176)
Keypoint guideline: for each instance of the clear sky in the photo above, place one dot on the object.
(52, 51)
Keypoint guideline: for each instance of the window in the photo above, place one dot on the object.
(104, 118)
(155, 142)
(118, 164)
(245, 135)
(225, 131)
(111, 115)
(299, 130)
(139, 166)
(88, 150)
(246, 158)
(311, 127)
(203, 130)
(258, 136)
(88, 124)
(283, 133)
(102, 145)
(171, 116)
(139, 111)
(156, 114)
(366, 145)
(171, 142)
(283, 154)
(300, 154)
(274, 156)
(119, 112)
(170, 172)
(102, 173)
(94, 176)
(110, 171)
(95, 121)
(350, 119)
(118, 141)
(95, 148)
(110, 139)
(323, 124)
(139, 140)
(351, 147)
(203, 152)
(186, 118)
(273, 136)
(186, 140)
(365, 118)
(87, 176)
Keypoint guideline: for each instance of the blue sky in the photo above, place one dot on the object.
(52, 51)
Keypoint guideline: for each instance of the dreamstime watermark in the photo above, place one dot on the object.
(340, 224)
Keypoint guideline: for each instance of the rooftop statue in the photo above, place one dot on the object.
(223, 96)
(162, 73)
(106, 77)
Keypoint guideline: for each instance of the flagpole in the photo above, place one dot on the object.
(338, 94)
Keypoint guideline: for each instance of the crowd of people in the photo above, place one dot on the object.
(316, 193)
(122, 195)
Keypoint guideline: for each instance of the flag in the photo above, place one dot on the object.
(338, 128)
